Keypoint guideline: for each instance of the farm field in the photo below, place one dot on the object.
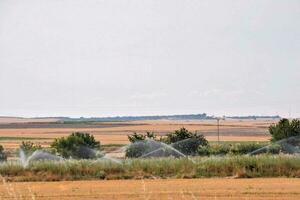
(215, 188)
(149, 100)
(116, 132)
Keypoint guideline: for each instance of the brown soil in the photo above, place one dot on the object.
(6, 120)
(269, 188)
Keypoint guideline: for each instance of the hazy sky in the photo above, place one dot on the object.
(143, 57)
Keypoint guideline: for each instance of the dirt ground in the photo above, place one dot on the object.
(5, 120)
(220, 188)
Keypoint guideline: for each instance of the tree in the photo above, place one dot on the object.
(141, 144)
(185, 141)
(182, 140)
(285, 129)
(135, 137)
(29, 147)
(77, 145)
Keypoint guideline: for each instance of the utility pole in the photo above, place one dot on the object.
(218, 125)
(218, 122)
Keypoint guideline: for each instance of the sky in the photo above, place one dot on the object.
(148, 57)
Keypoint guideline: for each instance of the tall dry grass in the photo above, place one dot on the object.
(196, 167)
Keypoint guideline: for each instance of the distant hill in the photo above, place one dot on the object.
(141, 118)
(254, 117)
(204, 116)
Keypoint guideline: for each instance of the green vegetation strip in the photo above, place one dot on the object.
(240, 142)
(196, 167)
(22, 138)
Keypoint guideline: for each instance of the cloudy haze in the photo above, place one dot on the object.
(143, 57)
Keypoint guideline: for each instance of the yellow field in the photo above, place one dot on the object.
(217, 188)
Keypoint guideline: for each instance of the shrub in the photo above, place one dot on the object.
(140, 137)
(285, 129)
(135, 151)
(3, 156)
(77, 145)
(204, 151)
(185, 141)
(140, 148)
(182, 140)
(218, 149)
(245, 148)
(231, 149)
(29, 147)
(274, 149)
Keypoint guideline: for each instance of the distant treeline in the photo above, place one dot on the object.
(140, 118)
(255, 117)
(203, 116)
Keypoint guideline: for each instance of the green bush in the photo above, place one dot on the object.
(182, 140)
(29, 147)
(274, 149)
(240, 149)
(141, 148)
(183, 134)
(3, 156)
(204, 151)
(135, 151)
(77, 145)
(141, 144)
(185, 141)
(285, 129)
(231, 149)
(140, 137)
(220, 149)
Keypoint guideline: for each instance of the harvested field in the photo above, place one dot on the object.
(8, 120)
(115, 139)
(116, 132)
(60, 125)
(217, 188)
